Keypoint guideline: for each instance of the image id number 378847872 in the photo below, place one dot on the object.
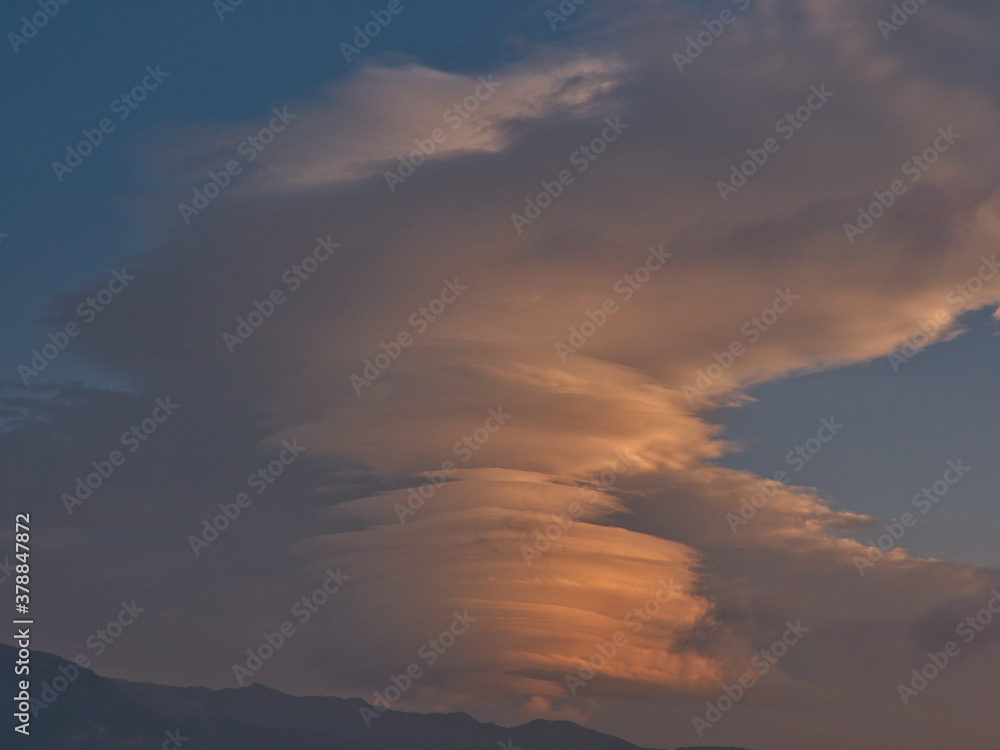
(22, 635)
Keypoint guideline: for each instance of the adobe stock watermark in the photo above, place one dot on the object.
(293, 278)
(88, 310)
(563, 11)
(365, 33)
(958, 297)
(302, 610)
(249, 149)
(545, 538)
(786, 127)
(420, 321)
(607, 649)
(625, 287)
(901, 13)
(914, 168)
(923, 501)
(98, 642)
(705, 39)
(123, 106)
(259, 481)
(6, 570)
(106, 636)
(464, 449)
(174, 740)
(432, 650)
(456, 116)
(581, 158)
(132, 438)
(968, 629)
(797, 458)
(752, 330)
(222, 7)
(760, 665)
(48, 9)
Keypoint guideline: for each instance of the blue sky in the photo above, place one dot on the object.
(900, 429)
(630, 387)
(233, 70)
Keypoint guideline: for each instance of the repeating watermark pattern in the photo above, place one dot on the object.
(98, 642)
(88, 310)
(760, 665)
(252, 315)
(625, 287)
(6, 570)
(222, 7)
(699, 42)
(901, 13)
(562, 12)
(797, 458)
(456, 116)
(606, 650)
(968, 630)
(249, 149)
(174, 740)
(132, 438)
(293, 277)
(259, 481)
(923, 501)
(302, 610)
(464, 449)
(123, 106)
(432, 650)
(581, 158)
(50, 691)
(786, 127)
(958, 297)
(30, 26)
(914, 168)
(910, 346)
(752, 330)
(420, 321)
(365, 33)
(106, 636)
(545, 538)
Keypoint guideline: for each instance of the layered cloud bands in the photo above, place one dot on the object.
(472, 392)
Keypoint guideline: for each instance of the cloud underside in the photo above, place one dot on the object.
(776, 243)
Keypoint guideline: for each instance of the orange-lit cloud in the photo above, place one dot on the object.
(624, 391)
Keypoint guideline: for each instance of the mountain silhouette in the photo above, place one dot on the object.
(84, 711)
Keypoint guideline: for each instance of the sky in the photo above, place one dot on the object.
(624, 363)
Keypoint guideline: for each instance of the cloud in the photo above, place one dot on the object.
(362, 125)
(534, 621)
(622, 391)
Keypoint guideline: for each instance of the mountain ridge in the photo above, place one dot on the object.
(103, 713)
